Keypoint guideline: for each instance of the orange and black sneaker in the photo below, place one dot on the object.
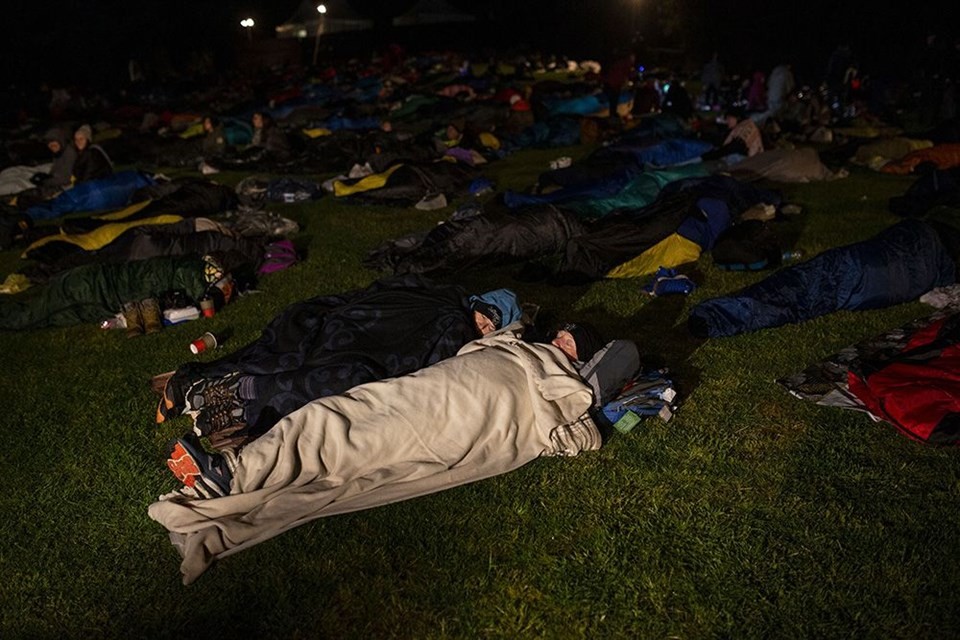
(205, 473)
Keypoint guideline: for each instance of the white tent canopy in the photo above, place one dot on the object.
(306, 20)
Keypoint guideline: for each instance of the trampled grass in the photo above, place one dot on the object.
(751, 514)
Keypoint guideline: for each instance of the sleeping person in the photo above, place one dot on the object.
(499, 403)
(326, 345)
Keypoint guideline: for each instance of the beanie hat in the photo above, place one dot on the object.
(500, 305)
(56, 134)
(491, 311)
(588, 340)
(85, 131)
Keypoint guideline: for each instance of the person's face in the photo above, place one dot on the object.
(731, 122)
(484, 324)
(80, 141)
(565, 342)
(257, 121)
(54, 146)
(207, 125)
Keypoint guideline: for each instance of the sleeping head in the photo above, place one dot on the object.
(578, 341)
(494, 310)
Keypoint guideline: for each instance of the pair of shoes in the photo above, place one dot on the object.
(152, 317)
(142, 317)
(215, 405)
(205, 473)
(132, 318)
(667, 281)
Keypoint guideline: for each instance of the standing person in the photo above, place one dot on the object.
(712, 80)
(779, 87)
(614, 75)
(92, 161)
(835, 76)
(757, 92)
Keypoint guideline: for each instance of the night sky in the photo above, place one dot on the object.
(91, 41)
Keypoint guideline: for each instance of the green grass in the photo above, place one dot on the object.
(750, 515)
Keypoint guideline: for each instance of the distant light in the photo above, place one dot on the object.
(321, 8)
(302, 33)
(247, 23)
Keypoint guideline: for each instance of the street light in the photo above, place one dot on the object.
(247, 23)
(322, 10)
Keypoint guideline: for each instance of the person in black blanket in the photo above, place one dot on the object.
(605, 366)
(327, 345)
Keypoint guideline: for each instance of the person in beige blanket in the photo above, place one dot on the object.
(499, 403)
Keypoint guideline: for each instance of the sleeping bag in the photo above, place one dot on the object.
(494, 238)
(94, 195)
(328, 344)
(895, 266)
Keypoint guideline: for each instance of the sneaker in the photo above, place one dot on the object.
(151, 316)
(173, 401)
(207, 393)
(226, 418)
(205, 473)
(133, 318)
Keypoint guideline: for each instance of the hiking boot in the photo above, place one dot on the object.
(150, 313)
(133, 318)
(205, 473)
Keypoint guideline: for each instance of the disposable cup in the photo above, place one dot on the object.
(206, 306)
(204, 342)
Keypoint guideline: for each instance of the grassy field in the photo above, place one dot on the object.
(750, 515)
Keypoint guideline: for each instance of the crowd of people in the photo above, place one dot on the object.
(661, 186)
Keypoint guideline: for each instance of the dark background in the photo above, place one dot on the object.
(90, 42)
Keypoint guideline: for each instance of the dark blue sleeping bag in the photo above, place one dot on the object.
(95, 195)
(895, 266)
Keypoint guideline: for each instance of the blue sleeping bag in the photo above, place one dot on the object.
(96, 195)
(895, 266)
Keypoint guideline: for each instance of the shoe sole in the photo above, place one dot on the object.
(183, 465)
(182, 462)
(166, 404)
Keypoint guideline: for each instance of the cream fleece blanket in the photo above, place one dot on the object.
(497, 405)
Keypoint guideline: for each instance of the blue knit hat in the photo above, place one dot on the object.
(502, 300)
